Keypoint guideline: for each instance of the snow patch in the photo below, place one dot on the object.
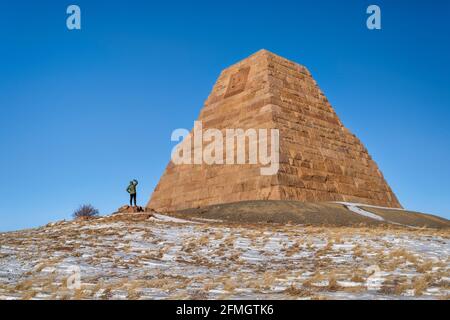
(164, 218)
(354, 208)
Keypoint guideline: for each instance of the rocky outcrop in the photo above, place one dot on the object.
(130, 209)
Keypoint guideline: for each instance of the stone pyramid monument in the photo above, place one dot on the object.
(319, 159)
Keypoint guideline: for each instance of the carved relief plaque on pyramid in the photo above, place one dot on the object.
(237, 82)
(320, 160)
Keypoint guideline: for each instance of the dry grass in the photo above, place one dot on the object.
(309, 283)
(357, 277)
(403, 254)
(420, 284)
(292, 290)
(332, 283)
(202, 254)
(424, 267)
(401, 288)
(357, 251)
(29, 294)
(24, 285)
(229, 285)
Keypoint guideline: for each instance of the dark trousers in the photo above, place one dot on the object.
(132, 196)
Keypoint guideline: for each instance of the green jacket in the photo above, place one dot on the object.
(132, 187)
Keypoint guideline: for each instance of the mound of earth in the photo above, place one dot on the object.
(324, 214)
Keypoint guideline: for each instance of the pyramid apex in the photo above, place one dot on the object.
(265, 52)
(267, 55)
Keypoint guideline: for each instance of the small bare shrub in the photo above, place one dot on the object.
(85, 211)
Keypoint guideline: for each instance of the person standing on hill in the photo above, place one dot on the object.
(132, 191)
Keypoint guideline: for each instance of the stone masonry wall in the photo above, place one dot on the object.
(320, 160)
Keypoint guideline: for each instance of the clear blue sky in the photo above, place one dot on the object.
(83, 112)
